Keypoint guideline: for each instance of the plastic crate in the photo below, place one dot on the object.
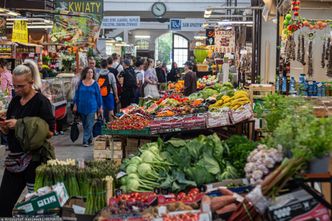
(144, 132)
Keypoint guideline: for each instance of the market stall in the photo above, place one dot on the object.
(215, 109)
(304, 61)
(194, 179)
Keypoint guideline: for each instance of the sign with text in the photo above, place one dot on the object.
(210, 36)
(225, 40)
(79, 24)
(113, 22)
(20, 31)
(187, 24)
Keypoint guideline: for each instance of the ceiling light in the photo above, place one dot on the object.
(207, 13)
(17, 19)
(11, 13)
(226, 23)
(200, 37)
(143, 36)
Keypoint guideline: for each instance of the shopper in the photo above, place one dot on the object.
(150, 80)
(87, 102)
(6, 79)
(161, 75)
(117, 63)
(139, 71)
(129, 84)
(190, 79)
(107, 83)
(174, 74)
(118, 85)
(92, 64)
(20, 162)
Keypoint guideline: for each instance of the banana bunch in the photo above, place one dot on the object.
(239, 99)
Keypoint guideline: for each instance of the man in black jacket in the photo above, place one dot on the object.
(190, 79)
(129, 84)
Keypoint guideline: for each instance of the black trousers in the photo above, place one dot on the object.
(12, 186)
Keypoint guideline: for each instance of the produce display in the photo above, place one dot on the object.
(260, 163)
(94, 178)
(203, 82)
(299, 132)
(129, 122)
(239, 99)
(178, 164)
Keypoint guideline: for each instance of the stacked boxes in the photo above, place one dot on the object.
(106, 148)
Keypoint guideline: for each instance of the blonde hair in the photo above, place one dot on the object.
(30, 68)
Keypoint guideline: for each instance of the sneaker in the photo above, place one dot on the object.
(85, 145)
(56, 133)
(61, 132)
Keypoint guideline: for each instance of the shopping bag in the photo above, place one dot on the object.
(74, 131)
(96, 131)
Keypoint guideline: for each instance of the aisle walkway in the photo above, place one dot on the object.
(64, 149)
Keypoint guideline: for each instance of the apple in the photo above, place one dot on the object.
(288, 17)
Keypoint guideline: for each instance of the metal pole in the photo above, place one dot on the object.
(259, 42)
(278, 45)
(253, 60)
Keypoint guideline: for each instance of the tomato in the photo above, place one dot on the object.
(194, 191)
(181, 195)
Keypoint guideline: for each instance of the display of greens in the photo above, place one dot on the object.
(177, 164)
(89, 182)
(300, 133)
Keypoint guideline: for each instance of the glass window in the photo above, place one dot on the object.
(180, 56)
(180, 48)
(142, 45)
(180, 42)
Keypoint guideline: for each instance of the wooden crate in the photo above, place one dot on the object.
(259, 91)
(101, 142)
(107, 154)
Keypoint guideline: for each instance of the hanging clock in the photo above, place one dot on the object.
(158, 9)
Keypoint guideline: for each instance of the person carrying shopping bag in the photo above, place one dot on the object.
(87, 102)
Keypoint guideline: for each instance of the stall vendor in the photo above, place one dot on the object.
(190, 79)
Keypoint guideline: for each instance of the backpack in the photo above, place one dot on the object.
(104, 84)
(131, 79)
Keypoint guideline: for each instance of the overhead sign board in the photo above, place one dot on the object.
(82, 24)
(124, 22)
(20, 31)
(210, 36)
(187, 24)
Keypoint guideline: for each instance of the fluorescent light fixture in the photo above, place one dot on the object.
(17, 19)
(11, 13)
(47, 21)
(225, 23)
(143, 36)
(200, 37)
(40, 26)
(35, 26)
(207, 13)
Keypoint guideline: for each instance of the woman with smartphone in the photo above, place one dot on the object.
(20, 167)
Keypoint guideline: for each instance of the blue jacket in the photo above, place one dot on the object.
(88, 98)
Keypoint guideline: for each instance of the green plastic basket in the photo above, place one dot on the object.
(144, 132)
